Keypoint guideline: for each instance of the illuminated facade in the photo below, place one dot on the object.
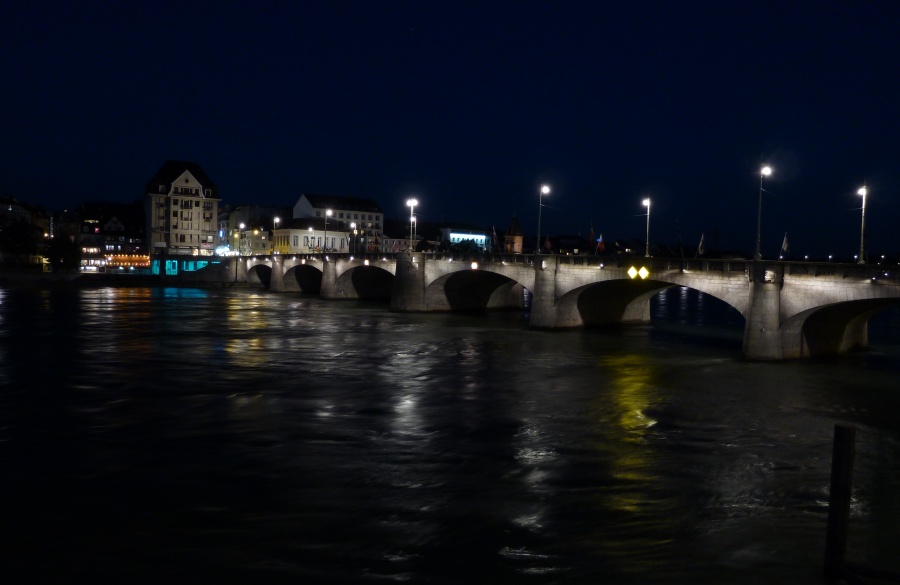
(182, 211)
(458, 236)
(310, 236)
(346, 211)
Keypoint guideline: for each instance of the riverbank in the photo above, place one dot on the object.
(54, 279)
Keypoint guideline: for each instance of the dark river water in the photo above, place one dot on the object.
(166, 435)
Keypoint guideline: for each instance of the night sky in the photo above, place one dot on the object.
(470, 106)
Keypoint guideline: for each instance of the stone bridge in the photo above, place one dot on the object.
(791, 309)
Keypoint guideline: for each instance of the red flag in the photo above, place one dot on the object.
(600, 246)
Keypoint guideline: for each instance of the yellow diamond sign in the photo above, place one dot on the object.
(643, 272)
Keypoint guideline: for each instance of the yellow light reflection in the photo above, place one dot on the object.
(631, 387)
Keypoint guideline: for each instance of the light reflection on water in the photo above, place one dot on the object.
(236, 435)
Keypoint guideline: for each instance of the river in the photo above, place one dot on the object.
(231, 435)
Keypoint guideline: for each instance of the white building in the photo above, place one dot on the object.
(458, 236)
(347, 214)
(312, 236)
(182, 211)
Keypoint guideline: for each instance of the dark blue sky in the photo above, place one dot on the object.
(469, 106)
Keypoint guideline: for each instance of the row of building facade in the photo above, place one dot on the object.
(182, 222)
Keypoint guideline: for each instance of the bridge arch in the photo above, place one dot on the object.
(618, 300)
(831, 329)
(369, 282)
(304, 278)
(260, 273)
(472, 290)
(607, 302)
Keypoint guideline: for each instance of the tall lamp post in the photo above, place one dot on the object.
(862, 231)
(545, 190)
(646, 203)
(411, 203)
(275, 221)
(353, 227)
(325, 243)
(764, 172)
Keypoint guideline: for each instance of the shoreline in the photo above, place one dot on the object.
(52, 279)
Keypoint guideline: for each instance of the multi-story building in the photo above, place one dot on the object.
(313, 236)
(112, 235)
(235, 221)
(347, 214)
(182, 211)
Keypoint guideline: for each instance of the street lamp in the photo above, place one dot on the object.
(646, 203)
(764, 172)
(328, 213)
(862, 231)
(411, 203)
(545, 190)
(353, 227)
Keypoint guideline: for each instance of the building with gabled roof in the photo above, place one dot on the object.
(182, 211)
(347, 214)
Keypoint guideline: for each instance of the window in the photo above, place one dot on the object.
(197, 203)
(175, 214)
(306, 241)
(181, 238)
(208, 192)
(355, 216)
(318, 213)
(174, 201)
(295, 240)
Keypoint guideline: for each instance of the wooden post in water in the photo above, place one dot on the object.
(842, 455)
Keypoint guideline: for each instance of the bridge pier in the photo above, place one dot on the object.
(276, 281)
(329, 279)
(409, 283)
(543, 298)
(762, 328)
(238, 270)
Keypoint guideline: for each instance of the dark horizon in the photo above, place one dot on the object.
(471, 107)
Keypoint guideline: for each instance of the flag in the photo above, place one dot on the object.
(784, 244)
(600, 245)
(700, 248)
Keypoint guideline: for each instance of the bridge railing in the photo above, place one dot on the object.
(874, 272)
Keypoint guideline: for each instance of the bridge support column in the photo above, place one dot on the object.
(762, 329)
(276, 281)
(543, 299)
(409, 283)
(329, 279)
(239, 272)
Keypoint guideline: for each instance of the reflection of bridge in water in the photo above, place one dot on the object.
(791, 309)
